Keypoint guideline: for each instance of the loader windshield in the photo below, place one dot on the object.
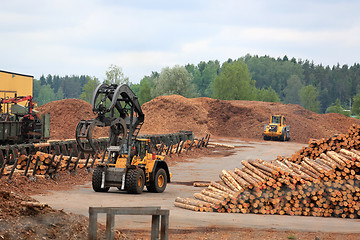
(141, 148)
(276, 119)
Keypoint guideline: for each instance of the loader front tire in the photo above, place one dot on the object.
(135, 180)
(97, 179)
(159, 183)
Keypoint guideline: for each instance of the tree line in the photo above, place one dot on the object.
(259, 78)
(54, 87)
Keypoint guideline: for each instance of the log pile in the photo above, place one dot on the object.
(47, 164)
(44, 163)
(350, 140)
(187, 145)
(328, 186)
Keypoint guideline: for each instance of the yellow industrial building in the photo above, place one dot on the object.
(15, 83)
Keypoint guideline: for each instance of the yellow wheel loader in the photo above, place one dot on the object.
(130, 164)
(277, 129)
(146, 169)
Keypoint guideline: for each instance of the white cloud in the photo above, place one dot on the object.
(283, 35)
(86, 36)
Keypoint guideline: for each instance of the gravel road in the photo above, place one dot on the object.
(184, 173)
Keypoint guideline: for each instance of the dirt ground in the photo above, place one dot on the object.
(18, 221)
(59, 223)
(215, 233)
(227, 120)
(185, 224)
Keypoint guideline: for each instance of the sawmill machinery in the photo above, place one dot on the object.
(20, 124)
(131, 163)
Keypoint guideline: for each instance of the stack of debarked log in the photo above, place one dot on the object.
(184, 145)
(350, 140)
(44, 163)
(327, 186)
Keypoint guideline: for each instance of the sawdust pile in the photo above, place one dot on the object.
(65, 115)
(239, 119)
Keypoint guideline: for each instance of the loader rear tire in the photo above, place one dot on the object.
(159, 183)
(135, 180)
(283, 136)
(97, 180)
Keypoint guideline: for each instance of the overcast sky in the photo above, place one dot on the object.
(86, 36)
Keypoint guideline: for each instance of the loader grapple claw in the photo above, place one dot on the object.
(84, 131)
(117, 107)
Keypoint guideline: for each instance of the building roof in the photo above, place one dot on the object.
(24, 75)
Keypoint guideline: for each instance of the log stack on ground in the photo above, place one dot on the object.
(182, 146)
(327, 186)
(45, 163)
(316, 147)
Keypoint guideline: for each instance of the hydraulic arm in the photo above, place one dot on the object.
(116, 107)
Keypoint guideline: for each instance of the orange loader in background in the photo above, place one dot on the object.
(277, 129)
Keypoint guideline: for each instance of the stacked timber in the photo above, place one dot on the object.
(44, 163)
(328, 186)
(182, 146)
(316, 147)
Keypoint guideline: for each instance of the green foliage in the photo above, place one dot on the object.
(42, 80)
(115, 75)
(308, 97)
(89, 88)
(57, 82)
(144, 91)
(336, 108)
(135, 88)
(49, 80)
(71, 86)
(355, 109)
(174, 80)
(204, 75)
(291, 91)
(234, 82)
(36, 88)
(285, 75)
(268, 72)
(62, 87)
(144, 88)
(46, 94)
(267, 95)
(59, 94)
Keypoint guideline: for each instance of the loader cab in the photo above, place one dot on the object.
(139, 149)
(142, 147)
(277, 119)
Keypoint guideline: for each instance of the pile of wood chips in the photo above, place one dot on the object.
(322, 180)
